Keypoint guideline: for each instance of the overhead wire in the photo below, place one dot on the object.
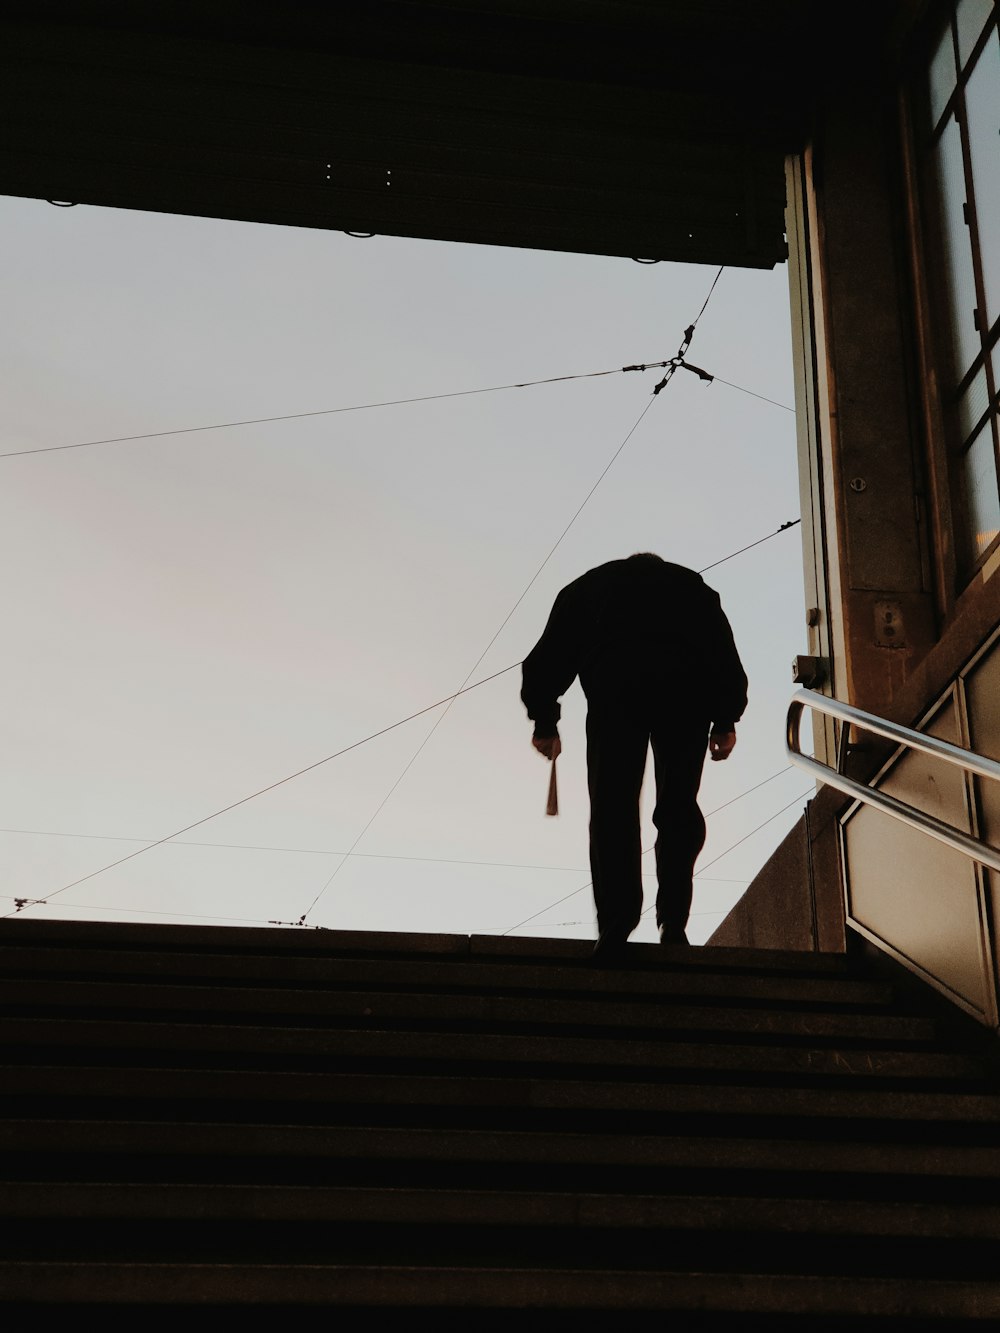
(396, 402)
(290, 851)
(763, 398)
(260, 921)
(685, 343)
(139, 911)
(319, 412)
(363, 856)
(449, 700)
(704, 304)
(271, 786)
(649, 909)
(740, 841)
(416, 754)
(764, 822)
(170, 837)
(25, 902)
(584, 887)
(792, 522)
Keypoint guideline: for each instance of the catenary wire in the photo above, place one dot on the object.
(450, 699)
(301, 416)
(732, 801)
(739, 842)
(437, 722)
(367, 407)
(704, 304)
(321, 412)
(272, 786)
(201, 916)
(325, 851)
(686, 341)
(290, 851)
(430, 708)
(237, 920)
(792, 522)
(795, 800)
(378, 856)
(140, 911)
(740, 389)
(584, 887)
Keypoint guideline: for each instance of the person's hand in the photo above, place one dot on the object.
(549, 746)
(721, 744)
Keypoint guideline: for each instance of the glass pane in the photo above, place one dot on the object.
(982, 493)
(949, 183)
(972, 16)
(943, 76)
(982, 106)
(973, 403)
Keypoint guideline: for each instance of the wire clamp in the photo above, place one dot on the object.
(678, 360)
(697, 370)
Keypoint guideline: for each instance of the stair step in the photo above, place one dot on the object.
(382, 1009)
(493, 1208)
(306, 1120)
(455, 1145)
(492, 1288)
(480, 1049)
(249, 941)
(505, 1094)
(481, 977)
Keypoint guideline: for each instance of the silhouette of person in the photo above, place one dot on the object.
(657, 661)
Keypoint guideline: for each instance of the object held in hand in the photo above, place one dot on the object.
(552, 806)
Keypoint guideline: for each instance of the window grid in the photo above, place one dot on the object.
(945, 114)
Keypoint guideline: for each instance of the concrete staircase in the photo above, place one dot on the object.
(203, 1121)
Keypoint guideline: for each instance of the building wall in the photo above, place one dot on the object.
(795, 902)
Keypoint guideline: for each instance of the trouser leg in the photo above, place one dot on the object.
(616, 759)
(680, 826)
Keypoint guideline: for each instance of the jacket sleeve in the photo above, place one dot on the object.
(552, 665)
(727, 697)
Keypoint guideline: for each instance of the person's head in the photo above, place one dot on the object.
(646, 558)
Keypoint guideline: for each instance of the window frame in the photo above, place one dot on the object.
(922, 135)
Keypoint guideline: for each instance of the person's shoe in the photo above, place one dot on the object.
(609, 951)
(672, 936)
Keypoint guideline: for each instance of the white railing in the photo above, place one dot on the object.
(970, 846)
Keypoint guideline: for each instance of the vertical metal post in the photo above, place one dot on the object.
(821, 614)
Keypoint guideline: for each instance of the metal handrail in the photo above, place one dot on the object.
(969, 762)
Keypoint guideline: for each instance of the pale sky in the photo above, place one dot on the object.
(194, 617)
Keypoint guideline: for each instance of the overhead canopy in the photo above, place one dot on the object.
(646, 128)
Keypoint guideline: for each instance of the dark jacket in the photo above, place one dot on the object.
(641, 631)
